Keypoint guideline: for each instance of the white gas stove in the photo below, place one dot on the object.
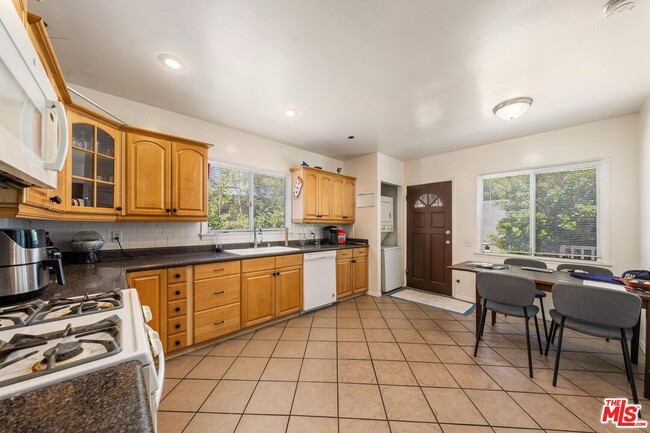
(44, 343)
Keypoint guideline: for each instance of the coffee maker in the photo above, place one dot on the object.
(24, 264)
(331, 233)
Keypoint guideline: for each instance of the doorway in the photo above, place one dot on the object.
(428, 231)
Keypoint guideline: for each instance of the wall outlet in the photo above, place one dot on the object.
(468, 243)
(116, 234)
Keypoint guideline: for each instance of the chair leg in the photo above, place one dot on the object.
(494, 317)
(541, 307)
(481, 327)
(626, 356)
(552, 333)
(557, 351)
(539, 338)
(530, 358)
(627, 370)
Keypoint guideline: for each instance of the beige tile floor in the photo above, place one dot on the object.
(381, 365)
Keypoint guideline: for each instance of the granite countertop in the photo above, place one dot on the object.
(111, 272)
(107, 401)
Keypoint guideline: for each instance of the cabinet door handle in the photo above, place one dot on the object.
(178, 343)
(174, 210)
(119, 208)
(56, 199)
(345, 217)
(221, 322)
(353, 261)
(177, 292)
(168, 210)
(178, 326)
(177, 309)
(219, 270)
(177, 275)
(220, 293)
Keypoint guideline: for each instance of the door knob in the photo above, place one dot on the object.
(448, 232)
(447, 242)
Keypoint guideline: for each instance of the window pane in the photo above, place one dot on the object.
(228, 199)
(268, 207)
(506, 214)
(566, 214)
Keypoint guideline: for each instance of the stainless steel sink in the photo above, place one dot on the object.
(261, 250)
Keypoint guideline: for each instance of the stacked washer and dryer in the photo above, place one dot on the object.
(392, 271)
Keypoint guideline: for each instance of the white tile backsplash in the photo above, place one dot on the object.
(152, 234)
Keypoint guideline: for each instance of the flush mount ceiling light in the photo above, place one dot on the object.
(613, 7)
(512, 108)
(291, 112)
(172, 62)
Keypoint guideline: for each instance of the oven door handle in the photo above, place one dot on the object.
(157, 347)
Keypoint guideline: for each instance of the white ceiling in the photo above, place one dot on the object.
(407, 78)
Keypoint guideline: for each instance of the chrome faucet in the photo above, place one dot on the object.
(256, 242)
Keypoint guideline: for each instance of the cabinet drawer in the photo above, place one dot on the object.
(360, 252)
(216, 292)
(177, 341)
(176, 291)
(176, 325)
(216, 322)
(291, 260)
(211, 270)
(176, 275)
(344, 254)
(261, 264)
(177, 308)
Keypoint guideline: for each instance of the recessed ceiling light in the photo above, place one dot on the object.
(512, 108)
(613, 7)
(172, 62)
(291, 112)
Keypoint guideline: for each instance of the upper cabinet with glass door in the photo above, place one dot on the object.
(94, 182)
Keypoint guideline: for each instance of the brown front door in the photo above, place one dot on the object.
(429, 237)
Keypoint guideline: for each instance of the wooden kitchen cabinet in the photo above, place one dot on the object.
(165, 179)
(343, 277)
(288, 291)
(217, 295)
(257, 290)
(351, 272)
(21, 8)
(271, 288)
(93, 177)
(325, 197)
(151, 288)
(148, 176)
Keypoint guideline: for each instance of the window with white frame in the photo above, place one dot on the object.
(550, 212)
(242, 198)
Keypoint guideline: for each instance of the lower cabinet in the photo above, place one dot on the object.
(216, 300)
(351, 272)
(151, 286)
(271, 288)
(192, 304)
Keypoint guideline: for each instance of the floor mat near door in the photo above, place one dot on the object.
(433, 300)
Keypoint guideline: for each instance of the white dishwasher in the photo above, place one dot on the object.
(319, 280)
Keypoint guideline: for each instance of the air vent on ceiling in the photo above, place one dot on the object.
(613, 7)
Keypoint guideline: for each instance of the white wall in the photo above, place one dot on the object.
(615, 139)
(644, 193)
(230, 145)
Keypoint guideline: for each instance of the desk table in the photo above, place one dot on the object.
(545, 281)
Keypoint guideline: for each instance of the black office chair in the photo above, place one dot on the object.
(539, 294)
(598, 312)
(511, 295)
(595, 270)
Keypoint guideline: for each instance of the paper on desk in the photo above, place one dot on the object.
(604, 285)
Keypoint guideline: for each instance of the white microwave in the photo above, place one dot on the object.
(33, 124)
